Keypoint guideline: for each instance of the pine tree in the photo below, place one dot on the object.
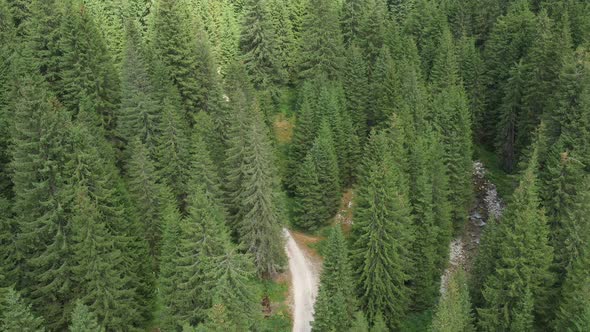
(83, 320)
(336, 302)
(310, 211)
(516, 289)
(326, 164)
(286, 47)
(372, 29)
(471, 67)
(352, 11)
(453, 312)
(17, 316)
(381, 235)
(321, 41)
(259, 45)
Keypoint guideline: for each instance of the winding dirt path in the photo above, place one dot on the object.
(305, 279)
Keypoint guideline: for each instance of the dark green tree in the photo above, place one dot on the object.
(145, 194)
(360, 323)
(356, 89)
(326, 164)
(259, 46)
(517, 287)
(381, 235)
(321, 41)
(84, 62)
(335, 303)
(573, 313)
(140, 113)
(310, 211)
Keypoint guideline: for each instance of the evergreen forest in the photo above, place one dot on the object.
(169, 165)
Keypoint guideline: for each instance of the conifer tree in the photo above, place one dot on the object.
(573, 313)
(352, 11)
(303, 136)
(259, 45)
(39, 176)
(360, 323)
(356, 89)
(431, 217)
(17, 316)
(372, 29)
(381, 234)
(509, 132)
(260, 226)
(516, 289)
(335, 304)
(173, 153)
(145, 194)
(286, 47)
(471, 67)
(321, 41)
(84, 62)
(139, 109)
(326, 164)
(83, 320)
(310, 211)
(174, 39)
(453, 312)
(105, 281)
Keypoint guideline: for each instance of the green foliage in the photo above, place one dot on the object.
(326, 164)
(83, 320)
(516, 289)
(321, 41)
(381, 235)
(335, 303)
(17, 316)
(454, 308)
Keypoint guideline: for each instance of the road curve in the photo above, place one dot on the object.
(304, 282)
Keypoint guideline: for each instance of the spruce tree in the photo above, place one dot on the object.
(105, 253)
(326, 164)
(321, 41)
(17, 315)
(145, 194)
(381, 235)
(173, 154)
(352, 11)
(356, 89)
(140, 116)
(259, 45)
(360, 323)
(286, 47)
(39, 175)
(516, 289)
(83, 320)
(310, 211)
(335, 304)
(574, 313)
(260, 208)
(453, 312)
(84, 62)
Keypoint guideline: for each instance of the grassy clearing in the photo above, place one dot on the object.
(505, 183)
(279, 317)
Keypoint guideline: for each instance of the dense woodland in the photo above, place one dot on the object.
(143, 186)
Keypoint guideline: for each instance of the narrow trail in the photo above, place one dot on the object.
(305, 280)
(487, 205)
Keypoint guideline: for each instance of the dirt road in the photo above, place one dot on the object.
(304, 285)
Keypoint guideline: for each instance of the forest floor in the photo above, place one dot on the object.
(487, 205)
